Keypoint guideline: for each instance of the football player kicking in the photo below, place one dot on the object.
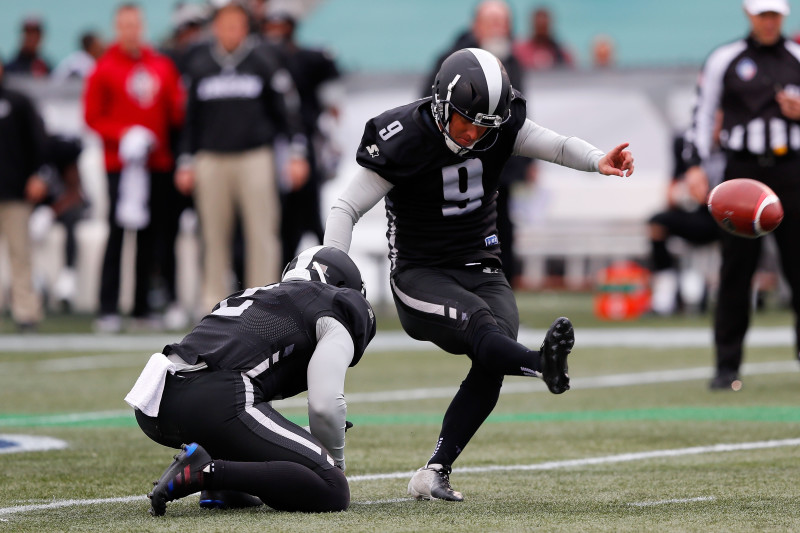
(437, 162)
(213, 390)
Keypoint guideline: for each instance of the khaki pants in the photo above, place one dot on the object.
(225, 184)
(25, 303)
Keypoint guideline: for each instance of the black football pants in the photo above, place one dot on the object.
(467, 310)
(255, 449)
(740, 258)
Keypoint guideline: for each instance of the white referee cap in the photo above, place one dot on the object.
(756, 7)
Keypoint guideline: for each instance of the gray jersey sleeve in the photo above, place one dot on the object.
(541, 143)
(327, 408)
(364, 191)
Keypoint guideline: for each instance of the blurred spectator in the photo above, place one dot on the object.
(80, 63)
(257, 10)
(491, 30)
(28, 61)
(188, 31)
(21, 143)
(64, 203)
(688, 218)
(603, 52)
(238, 102)
(132, 100)
(316, 77)
(541, 50)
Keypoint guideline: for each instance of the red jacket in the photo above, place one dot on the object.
(124, 91)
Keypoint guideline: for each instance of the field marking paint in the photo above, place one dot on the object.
(116, 345)
(390, 500)
(66, 418)
(57, 504)
(535, 385)
(549, 465)
(29, 443)
(93, 362)
(399, 340)
(676, 500)
(522, 387)
(609, 459)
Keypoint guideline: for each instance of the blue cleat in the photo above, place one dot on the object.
(227, 499)
(186, 475)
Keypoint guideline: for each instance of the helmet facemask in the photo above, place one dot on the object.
(468, 85)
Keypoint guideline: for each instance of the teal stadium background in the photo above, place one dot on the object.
(405, 36)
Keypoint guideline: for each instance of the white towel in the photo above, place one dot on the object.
(148, 389)
(133, 198)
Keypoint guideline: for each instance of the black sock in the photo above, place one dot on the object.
(284, 485)
(502, 354)
(473, 402)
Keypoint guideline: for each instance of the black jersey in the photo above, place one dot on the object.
(442, 208)
(269, 333)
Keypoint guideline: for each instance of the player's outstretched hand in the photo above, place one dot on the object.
(617, 162)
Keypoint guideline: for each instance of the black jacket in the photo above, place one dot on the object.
(21, 143)
(238, 102)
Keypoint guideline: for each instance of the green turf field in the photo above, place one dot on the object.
(639, 444)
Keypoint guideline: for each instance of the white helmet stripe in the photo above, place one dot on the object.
(300, 270)
(493, 75)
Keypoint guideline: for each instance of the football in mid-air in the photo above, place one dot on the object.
(745, 207)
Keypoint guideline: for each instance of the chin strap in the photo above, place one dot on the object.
(454, 146)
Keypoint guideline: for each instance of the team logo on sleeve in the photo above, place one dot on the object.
(373, 150)
(746, 69)
(491, 240)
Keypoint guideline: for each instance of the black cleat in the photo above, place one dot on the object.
(432, 482)
(227, 499)
(183, 477)
(726, 381)
(557, 345)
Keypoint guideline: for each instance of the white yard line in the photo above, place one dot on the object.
(675, 500)
(57, 504)
(549, 465)
(398, 340)
(378, 502)
(519, 387)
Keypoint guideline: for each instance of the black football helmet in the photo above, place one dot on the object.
(473, 83)
(326, 264)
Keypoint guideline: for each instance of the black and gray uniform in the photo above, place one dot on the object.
(446, 275)
(442, 213)
(259, 345)
(742, 79)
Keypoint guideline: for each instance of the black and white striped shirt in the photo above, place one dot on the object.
(742, 79)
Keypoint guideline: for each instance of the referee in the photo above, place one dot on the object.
(755, 82)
